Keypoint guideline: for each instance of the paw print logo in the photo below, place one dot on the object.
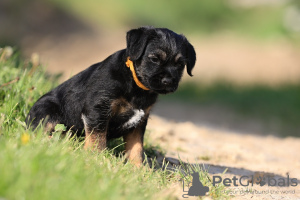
(261, 180)
(197, 188)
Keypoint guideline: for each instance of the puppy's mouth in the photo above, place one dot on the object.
(163, 89)
(160, 84)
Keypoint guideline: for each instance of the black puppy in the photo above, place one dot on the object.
(113, 98)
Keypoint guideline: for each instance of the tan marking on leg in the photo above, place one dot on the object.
(50, 127)
(134, 147)
(147, 111)
(95, 140)
(134, 143)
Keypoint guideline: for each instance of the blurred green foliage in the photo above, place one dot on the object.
(199, 17)
(266, 103)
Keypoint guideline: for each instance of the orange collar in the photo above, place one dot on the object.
(129, 64)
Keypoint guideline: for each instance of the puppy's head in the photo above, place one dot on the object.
(159, 56)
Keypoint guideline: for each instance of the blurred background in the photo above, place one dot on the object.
(247, 75)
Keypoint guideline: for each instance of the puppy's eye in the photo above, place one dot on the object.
(154, 59)
(180, 64)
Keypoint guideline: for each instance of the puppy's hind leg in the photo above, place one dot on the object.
(45, 112)
(95, 139)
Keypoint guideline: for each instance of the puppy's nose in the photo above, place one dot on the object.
(166, 81)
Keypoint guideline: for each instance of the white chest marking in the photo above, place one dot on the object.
(135, 119)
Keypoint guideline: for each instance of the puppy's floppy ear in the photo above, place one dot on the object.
(190, 56)
(137, 40)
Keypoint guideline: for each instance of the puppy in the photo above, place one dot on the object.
(113, 98)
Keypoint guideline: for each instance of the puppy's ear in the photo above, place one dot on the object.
(137, 40)
(190, 56)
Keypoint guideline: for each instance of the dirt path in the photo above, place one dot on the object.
(240, 154)
(215, 117)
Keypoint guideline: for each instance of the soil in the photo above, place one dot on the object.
(238, 153)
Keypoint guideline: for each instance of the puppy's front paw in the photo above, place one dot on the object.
(135, 119)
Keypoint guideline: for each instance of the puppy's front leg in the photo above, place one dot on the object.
(134, 144)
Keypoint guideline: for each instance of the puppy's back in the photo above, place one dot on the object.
(64, 103)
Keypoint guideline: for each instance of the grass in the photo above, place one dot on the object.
(33, 166)
(279, 104)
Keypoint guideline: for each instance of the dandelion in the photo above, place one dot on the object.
(7, 53)
(25, 138)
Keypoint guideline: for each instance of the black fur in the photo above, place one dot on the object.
(155, 54)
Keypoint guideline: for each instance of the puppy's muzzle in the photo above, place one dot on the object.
(166, 82)
(168, 85)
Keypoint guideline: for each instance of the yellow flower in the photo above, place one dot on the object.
(25, 138)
